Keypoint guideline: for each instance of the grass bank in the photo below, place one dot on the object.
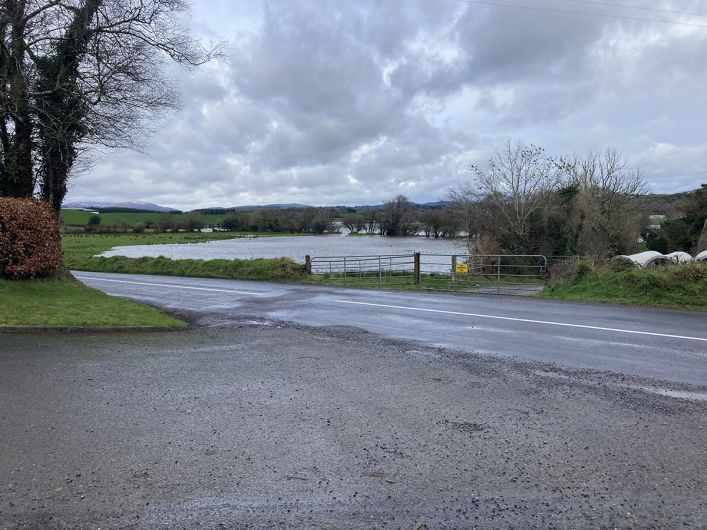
(64, 302)
(278, 270)
(681, 286)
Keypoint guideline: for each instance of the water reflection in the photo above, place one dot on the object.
(295, 247)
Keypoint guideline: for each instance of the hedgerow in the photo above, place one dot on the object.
(30, 245)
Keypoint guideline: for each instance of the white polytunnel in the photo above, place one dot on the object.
(645, 258)
(679, 256)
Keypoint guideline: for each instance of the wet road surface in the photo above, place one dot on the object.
(660, 344)
(311, 407)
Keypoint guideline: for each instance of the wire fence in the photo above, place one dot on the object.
(493, 274)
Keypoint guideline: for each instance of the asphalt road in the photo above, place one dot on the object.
(282, 410)
(267, 426)
(659, 344)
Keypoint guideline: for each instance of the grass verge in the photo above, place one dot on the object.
(278, 270)
(681, 286)
(428, 282)
(64, 302)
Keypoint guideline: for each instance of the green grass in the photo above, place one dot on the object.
(428, 282)
(681, 286)
(80, 217)
(64, 302)
(279, 270)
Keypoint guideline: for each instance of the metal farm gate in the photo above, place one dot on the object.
(491, 274)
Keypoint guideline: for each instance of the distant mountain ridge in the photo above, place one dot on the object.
(134, 205)
(251, 207)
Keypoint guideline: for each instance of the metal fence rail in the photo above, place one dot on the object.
(495, 274)
(370, 271)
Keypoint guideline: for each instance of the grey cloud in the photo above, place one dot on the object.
(324, 101)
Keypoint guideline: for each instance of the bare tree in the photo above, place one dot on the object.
(79, 73)
(354, 222)
(371, 219)
(465, 205)
(525, 201)
(608, 216)
(397, 216)
(515, 185)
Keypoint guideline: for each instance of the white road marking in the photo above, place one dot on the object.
(545, 322)
(170, 285)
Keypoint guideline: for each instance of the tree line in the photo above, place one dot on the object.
(397, 217)
(686, 229)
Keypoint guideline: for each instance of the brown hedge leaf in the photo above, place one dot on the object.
(30, 245)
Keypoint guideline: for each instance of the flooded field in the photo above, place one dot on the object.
(295, 247)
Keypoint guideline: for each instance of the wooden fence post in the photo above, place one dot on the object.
(417, 268)
(308, 264)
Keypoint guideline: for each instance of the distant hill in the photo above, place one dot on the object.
(283, 206)
(435, 204)
(136, 206)
(668, 204)
(220, 210)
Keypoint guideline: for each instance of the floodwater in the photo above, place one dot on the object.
(295, 247)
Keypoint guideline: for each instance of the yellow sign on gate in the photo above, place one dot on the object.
(462, 268)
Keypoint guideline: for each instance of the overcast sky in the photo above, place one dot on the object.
(329, 102)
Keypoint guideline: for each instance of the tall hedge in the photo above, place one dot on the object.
(30, 245)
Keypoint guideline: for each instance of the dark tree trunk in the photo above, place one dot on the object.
(18, 178)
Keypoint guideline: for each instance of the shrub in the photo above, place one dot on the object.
(620, 264)
(30, 245)
(139, 228)
(163, 223)
(93, 224)
(192, 221)
(231, 222)
(568, 271)
(582, 271)
(118, 227)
